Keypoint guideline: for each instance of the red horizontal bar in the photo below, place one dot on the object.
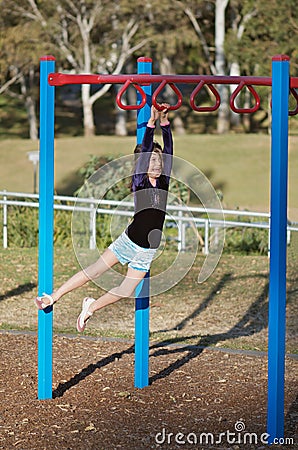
(60, 79)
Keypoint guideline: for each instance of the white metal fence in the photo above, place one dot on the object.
(175, 214)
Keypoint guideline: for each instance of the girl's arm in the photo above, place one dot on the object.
(167, 141)
(142, 163)
(147, 144)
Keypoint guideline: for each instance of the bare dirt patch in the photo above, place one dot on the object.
(95, 405)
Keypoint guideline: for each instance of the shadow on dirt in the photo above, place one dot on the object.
(76, 379)
(226, 278)
(26, 287)
(291, 418)
(253, 321)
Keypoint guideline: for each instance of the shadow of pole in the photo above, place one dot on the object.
(222, 282)
(291, 418)
(76, 379)
(253, 321)
(21, 289)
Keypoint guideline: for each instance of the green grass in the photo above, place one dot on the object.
(237, 164)
(229, 310)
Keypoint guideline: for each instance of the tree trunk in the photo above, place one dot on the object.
(178, 124)
(223, 122)
(247, 117)
(120, 125)
(89, 128)
(30, 106)
(166, 67)
(234, 71)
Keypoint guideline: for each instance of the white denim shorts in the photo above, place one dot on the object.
(137, 257)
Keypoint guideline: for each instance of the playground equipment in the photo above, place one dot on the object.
(282, 85)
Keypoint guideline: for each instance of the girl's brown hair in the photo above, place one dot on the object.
(138, 149)
(156, 147)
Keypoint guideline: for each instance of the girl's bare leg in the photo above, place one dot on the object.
(107, 260)
(126, 289)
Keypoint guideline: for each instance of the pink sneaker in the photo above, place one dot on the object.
(39, 301)
(85, 314)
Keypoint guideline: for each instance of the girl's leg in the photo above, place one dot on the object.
(126, 289)
(107, 260)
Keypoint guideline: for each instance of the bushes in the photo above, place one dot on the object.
(246, 241)
(62, 228)
(23, 232)
(22, 227)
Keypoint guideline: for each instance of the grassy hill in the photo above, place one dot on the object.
(237, 164)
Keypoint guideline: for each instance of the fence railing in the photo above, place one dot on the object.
(177, 215)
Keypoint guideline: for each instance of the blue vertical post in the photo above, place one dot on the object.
(278, 246)
(46, 216)
(142, 291)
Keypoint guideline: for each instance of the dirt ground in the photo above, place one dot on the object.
(197, 398)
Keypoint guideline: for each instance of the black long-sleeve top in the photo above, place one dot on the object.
(150, 201)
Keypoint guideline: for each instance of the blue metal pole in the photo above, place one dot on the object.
(142, 291)
(46, 216)
(278, 246)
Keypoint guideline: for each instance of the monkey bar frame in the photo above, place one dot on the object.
(282, 86)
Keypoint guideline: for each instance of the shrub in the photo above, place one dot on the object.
(22, 226)
(246, 241)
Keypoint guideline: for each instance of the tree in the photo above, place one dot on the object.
(217, 64)
(273, 30)
(240, 15)
(220, 64)
(246, 35)
(91, 35)
(270, 28)
(19, 65)
(97, 36)
(171, 46)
